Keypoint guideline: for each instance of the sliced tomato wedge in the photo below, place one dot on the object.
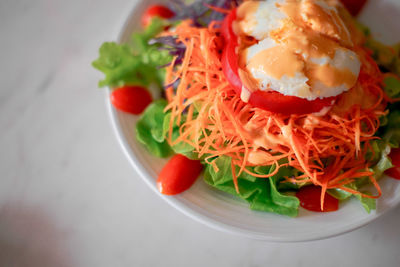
(227, 30)
(268, 100)
(395, 156)
(395, 171)
(286, 105)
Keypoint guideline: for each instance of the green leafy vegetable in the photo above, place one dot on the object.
(280, 199)
(181, 147)
(394, 120)
(140, 40)
(383, 164)
(149, 129)
(152, 129)
(135, 63)
(369, 204)
(392, 86)
(121, 67)
(382, 150)
(339, 193)
(390, 133)
(386, 56)
(261, 194)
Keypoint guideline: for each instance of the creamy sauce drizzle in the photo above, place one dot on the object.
(246, 17)
(312, 30)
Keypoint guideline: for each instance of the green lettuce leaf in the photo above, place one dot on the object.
(386, 56)
(392, 86)
(152, 129)
(369, 204)
(390, 133)
(135, 63)
(261, 194)
(339, 193)
(140, 40)
(121, 67)
(384, 163)
(149, 129)
(181, 147)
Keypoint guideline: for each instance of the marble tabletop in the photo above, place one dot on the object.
(68, 196)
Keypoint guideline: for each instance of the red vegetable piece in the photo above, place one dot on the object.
(354, 6)
(276, 102)
(156, 11)
(395, 156)
(271, 101)
(131, 99)
(230, 67)
(395, 171)
(178, 175)
(310, 199)
(227, 30)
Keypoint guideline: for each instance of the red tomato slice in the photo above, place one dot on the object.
(230, 66)
(156, 11)
(286, 105)
(394, 173)
(354, 6)
(227, 30)
(310, 199)
(131, 99)
(271, 101)
(395, 156)
(178, 175)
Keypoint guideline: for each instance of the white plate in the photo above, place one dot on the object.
(224, 212)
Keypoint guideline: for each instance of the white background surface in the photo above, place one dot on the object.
(68, 196)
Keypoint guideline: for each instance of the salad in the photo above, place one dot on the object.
(283, 103)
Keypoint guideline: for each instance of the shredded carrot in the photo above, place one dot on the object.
(329, 150)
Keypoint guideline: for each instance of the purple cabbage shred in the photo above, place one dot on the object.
(199, 12)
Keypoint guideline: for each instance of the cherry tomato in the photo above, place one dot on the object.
(310, 199)
(131, 99)
(268, 100)
(395, 156)
(178, 175)
(395, 171)
(354, 6)
(156, 11)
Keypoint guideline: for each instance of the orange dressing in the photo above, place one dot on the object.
(310, 32)
(277, 62)
(328, 75)
(246, 17)
(309, 14)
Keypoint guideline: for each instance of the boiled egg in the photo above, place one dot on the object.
(302, 47)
